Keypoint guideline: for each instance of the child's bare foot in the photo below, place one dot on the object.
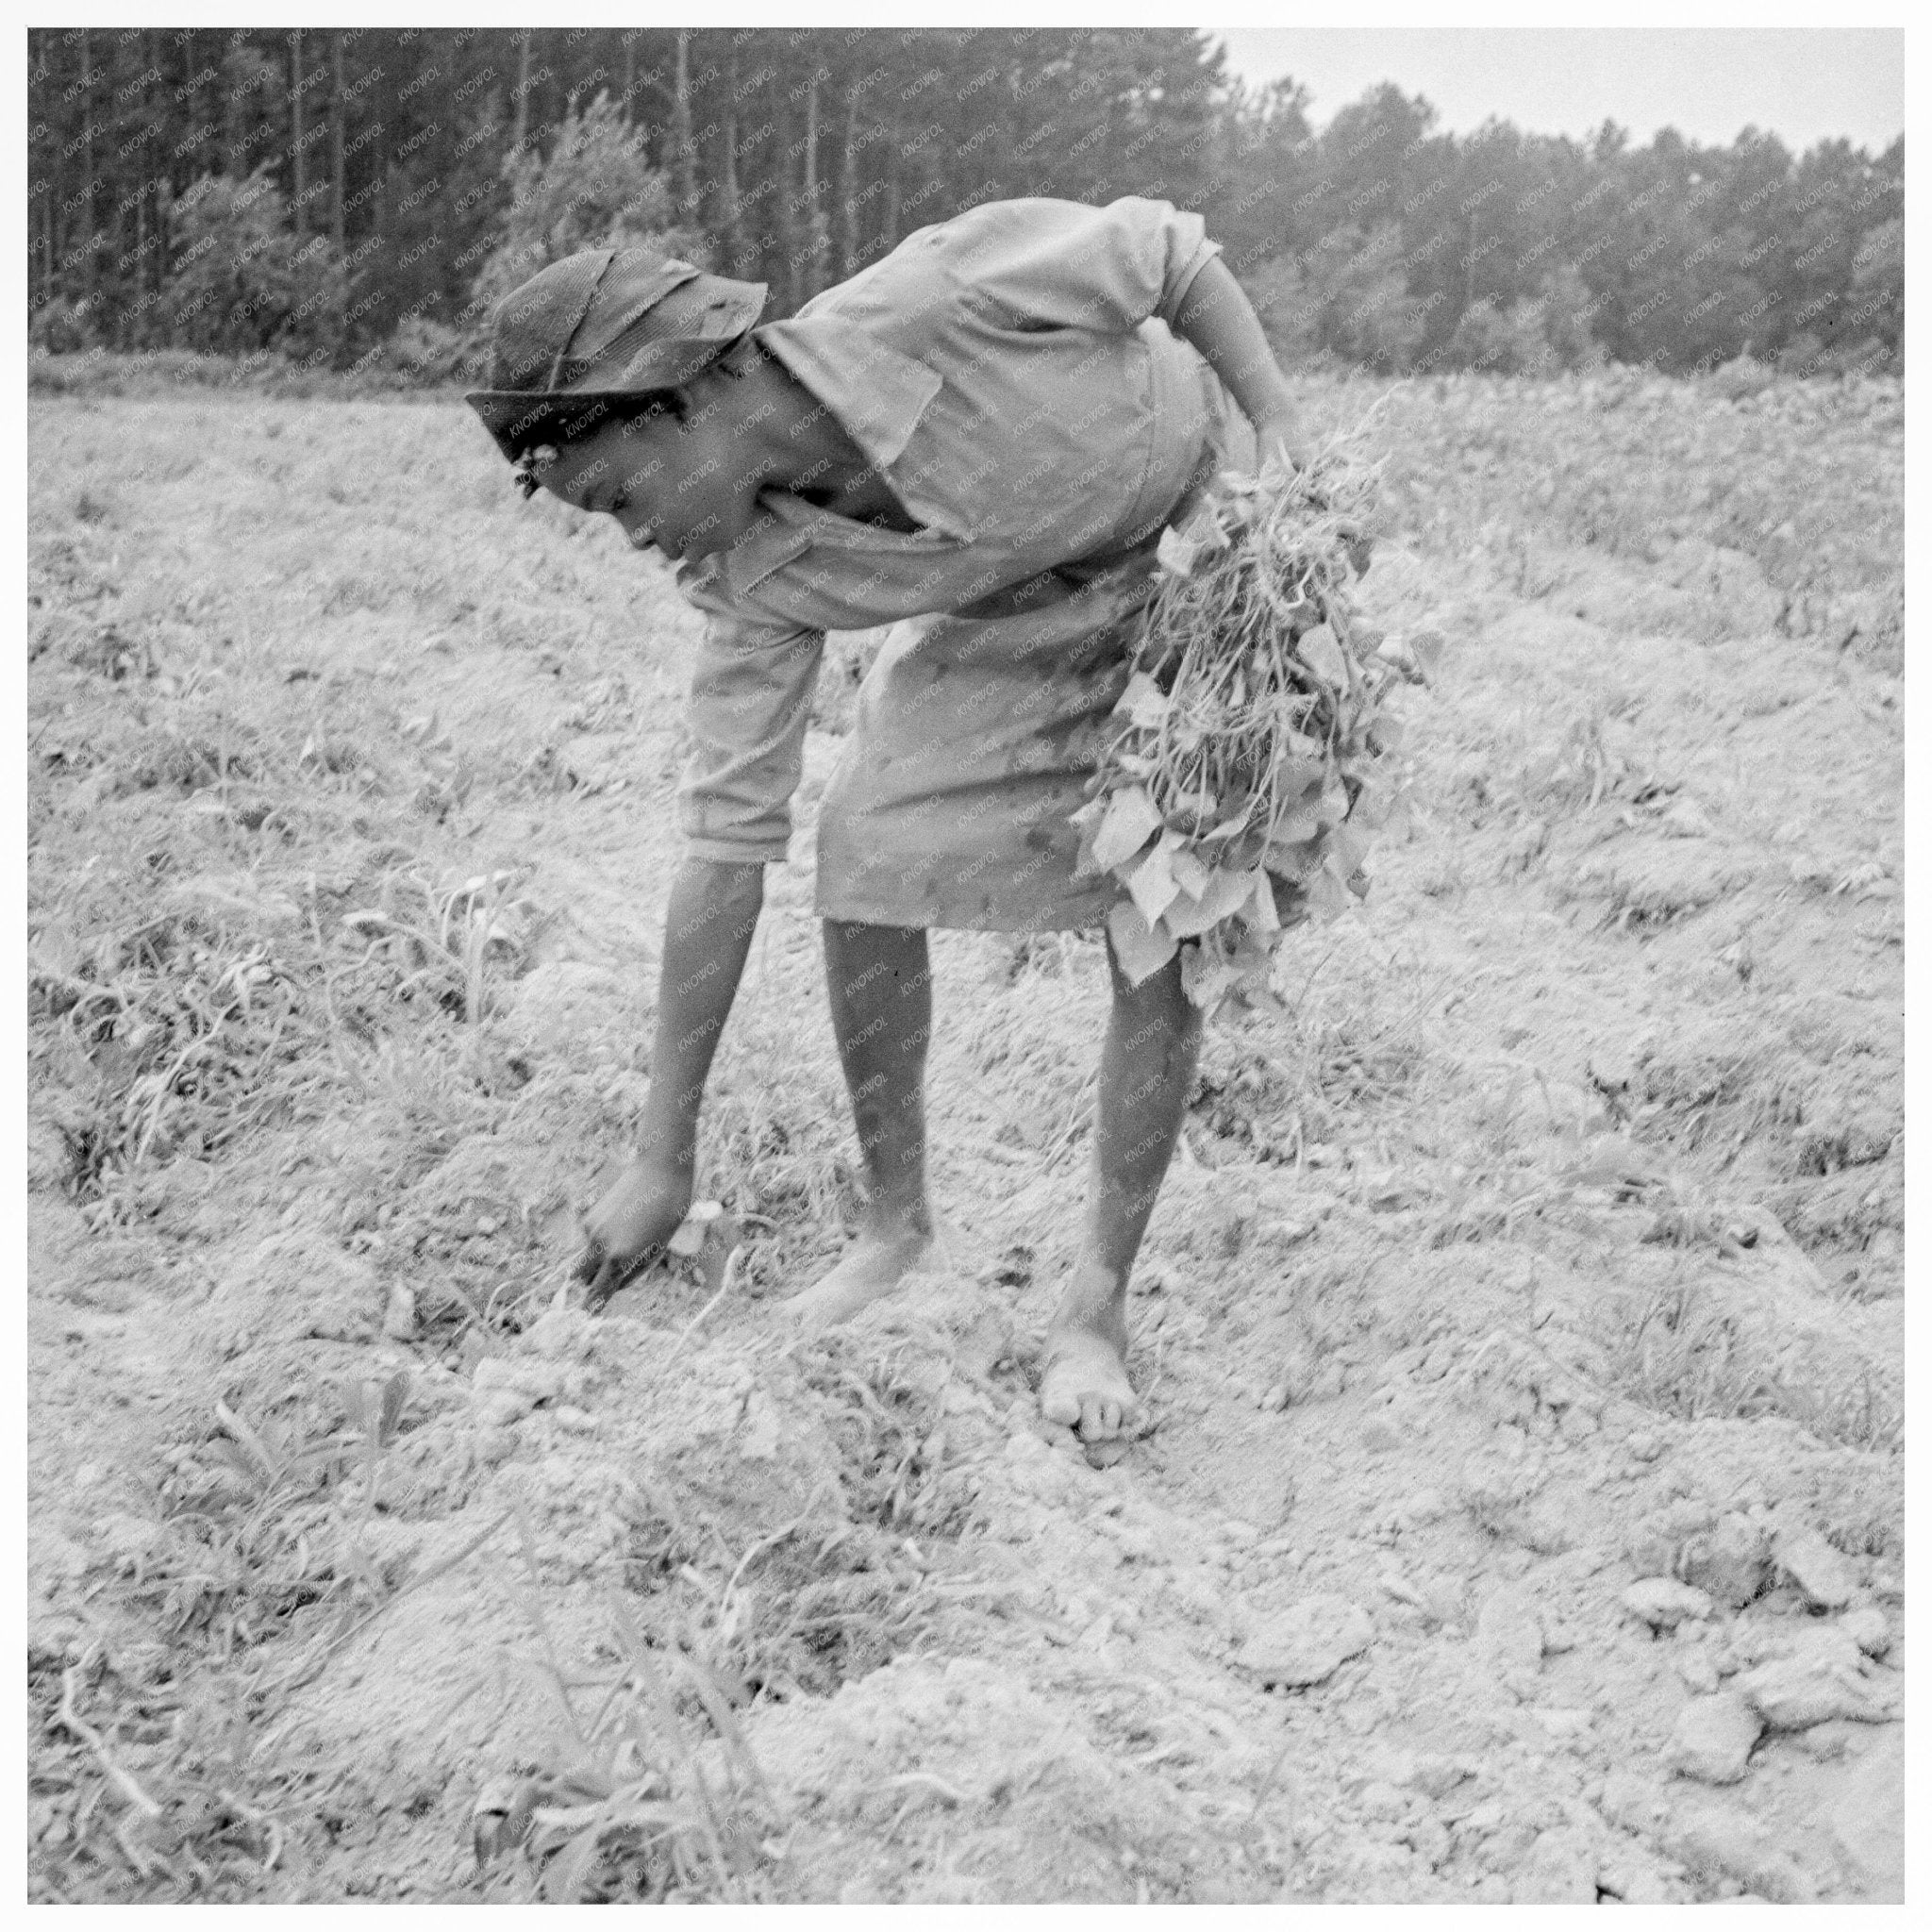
(883, 1256)
(1085, 1384)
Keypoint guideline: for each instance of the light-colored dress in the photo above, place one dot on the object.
(1011, 374)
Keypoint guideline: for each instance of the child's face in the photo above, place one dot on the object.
(669, 485)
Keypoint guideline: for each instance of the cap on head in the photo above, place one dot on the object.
(597, 325)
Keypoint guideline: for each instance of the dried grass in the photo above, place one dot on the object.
(1685, 1355)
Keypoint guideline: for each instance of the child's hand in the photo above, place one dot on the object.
(628, 1228)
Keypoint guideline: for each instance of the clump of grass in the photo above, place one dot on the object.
(635, 1803)
(799, 1610)
(1582, 768)
(255, 1525)
(647, 1790)
(1241, 790)
(136, 1784)
(885, 1419)
(1244, 1093)
(442, 940)
(834, 1593)
(1686, 1356)
(197, 1035)
(261, 1517)
(1486, 1204)
(806, 1614)
(1687, 1217)
(779, 1169)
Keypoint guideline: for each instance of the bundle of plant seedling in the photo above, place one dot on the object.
(1253, 759)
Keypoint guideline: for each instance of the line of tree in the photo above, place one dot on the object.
(350, 195)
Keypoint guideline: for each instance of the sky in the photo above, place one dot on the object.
(1801, 84)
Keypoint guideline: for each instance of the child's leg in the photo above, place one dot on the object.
(880, 987)
(1146, 1074)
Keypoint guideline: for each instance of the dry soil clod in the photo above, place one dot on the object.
(1815, 1567)
(1827, 1679)
(1663, 1603)
(1712, 1738)
(1308, 1643)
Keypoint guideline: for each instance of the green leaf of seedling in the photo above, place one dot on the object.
(1296, 859)
(1191, 872)
(1323, 656)
(1235, 822)
(1131, 820)
(1371, 806)
(1151, 883)
(1187, 917)
(1298, 773)
(1197, 810)
(1141, 949)
(1265, 918)
(1326, 895)
(1085, 864)
(257, 1449)
(1348, 846)
(1332, 806)
(1385, 733)
(566, 1875)
(1144, 703)
(1089, 820)
(1296, 826)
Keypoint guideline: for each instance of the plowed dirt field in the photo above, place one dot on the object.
(1523, 1516)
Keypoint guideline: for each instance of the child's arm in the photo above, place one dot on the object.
(751, 700)
(708, 929)
(1217, 318)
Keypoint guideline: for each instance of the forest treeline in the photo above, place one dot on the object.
(357, 197)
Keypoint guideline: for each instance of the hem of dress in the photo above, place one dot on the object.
(871, 912)
(714, 852)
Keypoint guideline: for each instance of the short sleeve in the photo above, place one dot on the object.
(751, 696)
(1066, 264)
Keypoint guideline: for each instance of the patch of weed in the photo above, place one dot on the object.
(195, 1038)
(1684, 1355)
(777, 1166)
(137, 1786)
(885, 1417)
(259, 1519)
(630, 1804)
